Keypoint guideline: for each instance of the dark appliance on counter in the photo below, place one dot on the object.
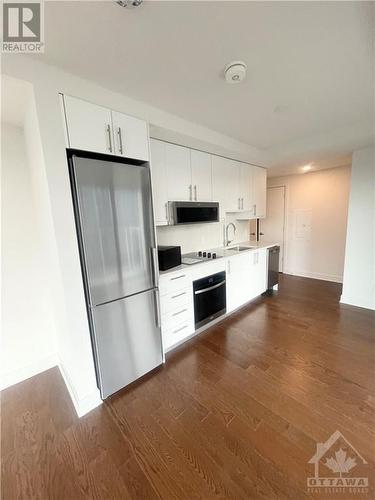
(273, 269)
(209, 298)
(168, 256)
(193, 212)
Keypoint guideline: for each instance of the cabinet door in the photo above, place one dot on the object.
(238, 276)
(246, 186)
(201, 174)
(259, 191)
(89, 126)
(131, 136)
(178, 173)
(225, 184)
(258, 273)
(159, 182)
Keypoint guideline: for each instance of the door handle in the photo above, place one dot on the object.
(120, 148)
(261, 234)
(155, 266)
(198, 292)
(195, 192)
(157, 309)
(108, 128)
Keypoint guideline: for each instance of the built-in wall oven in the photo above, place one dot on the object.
(209, 298)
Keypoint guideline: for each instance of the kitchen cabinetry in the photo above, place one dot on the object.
(259, 191)
(159, 183)
(201, 175)
(89, 127)
(246, 191)
(178, 179)
(225, 184)
(176, 306)
(130, 136)
(246, 277)
(101, 130)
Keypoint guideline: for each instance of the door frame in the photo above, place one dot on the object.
(285, 221)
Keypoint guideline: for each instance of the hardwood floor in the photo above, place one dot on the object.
(236, 413)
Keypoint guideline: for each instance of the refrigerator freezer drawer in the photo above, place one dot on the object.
(127, 340)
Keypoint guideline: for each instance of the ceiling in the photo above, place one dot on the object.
(309, 93)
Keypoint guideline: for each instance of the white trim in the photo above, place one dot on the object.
(27, 371)
(83, 405)
(364, 302)
(318, 276)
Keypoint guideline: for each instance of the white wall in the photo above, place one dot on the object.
(28, 334)
(73, 339)
(195, 237)
(359, 273)
(316, 218)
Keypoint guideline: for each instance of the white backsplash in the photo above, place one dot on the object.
(194, 237)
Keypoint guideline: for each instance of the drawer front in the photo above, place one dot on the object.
(177, 281)
(177, 333)
(174, 301)
(177, 316)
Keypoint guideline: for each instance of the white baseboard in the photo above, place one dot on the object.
(25, 372)
(317, 276)
(364, 302)
(81, 405)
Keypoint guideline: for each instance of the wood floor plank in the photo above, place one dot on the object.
(235, 413)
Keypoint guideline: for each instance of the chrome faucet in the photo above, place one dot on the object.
(226, 239)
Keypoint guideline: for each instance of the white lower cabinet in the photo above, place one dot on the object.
(246, 277)
(176, 307)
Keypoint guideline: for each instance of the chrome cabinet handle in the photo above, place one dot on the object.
(242, 203)
(195, 192)
(109, 138)
(178, 295)
(255, 208)
(190, 192)
(166, 211)
(198, 292)
(239, 203)
(180, 329)
(179, 312)
(178, 277)
(120, 148)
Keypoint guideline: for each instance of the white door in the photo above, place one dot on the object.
(159, 182)
(225, 184)
(259, 191)
(272, 227)
(89, 126)
(131, 136)
(201, 175)
(178, 173)
(246, 187)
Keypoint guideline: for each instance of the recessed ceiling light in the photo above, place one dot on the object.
(306, 168)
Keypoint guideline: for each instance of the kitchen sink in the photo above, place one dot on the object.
(238, 249)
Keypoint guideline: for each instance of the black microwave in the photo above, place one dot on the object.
(193, 212)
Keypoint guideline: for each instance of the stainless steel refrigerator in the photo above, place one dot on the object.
(115, 228)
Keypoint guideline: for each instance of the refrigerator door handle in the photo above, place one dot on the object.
(155, 267)
(157, 310)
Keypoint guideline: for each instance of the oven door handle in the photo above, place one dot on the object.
(210, 288)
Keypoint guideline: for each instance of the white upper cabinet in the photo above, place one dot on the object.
(246, 187)
(201, 175)
(98, 129)
(259, 191)
(225, 184)
(89, 127)
(131, 136)
(177, 159)
(159, 182)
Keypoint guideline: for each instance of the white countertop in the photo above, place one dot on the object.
(253, 245)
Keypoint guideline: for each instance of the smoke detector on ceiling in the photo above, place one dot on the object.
(235, 72)
(129, 3)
